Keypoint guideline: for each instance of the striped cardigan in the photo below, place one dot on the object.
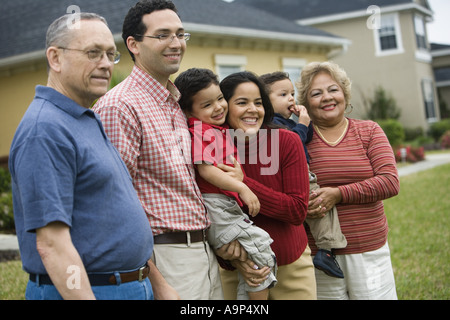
(363, 167)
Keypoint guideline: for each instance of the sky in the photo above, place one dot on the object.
(439, 29)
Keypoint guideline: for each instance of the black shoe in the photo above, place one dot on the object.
(324, 260)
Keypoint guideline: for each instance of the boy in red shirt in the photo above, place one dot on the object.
(224, 195)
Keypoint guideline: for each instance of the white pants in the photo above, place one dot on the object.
(368, 276)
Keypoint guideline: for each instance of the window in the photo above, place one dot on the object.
(428, 97)
(422, 52)
(228, 64)
(294, 67)
(419, 27)
(388, 37)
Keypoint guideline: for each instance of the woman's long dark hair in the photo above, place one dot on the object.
(230, 83)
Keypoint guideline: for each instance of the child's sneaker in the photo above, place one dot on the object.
(324, 260)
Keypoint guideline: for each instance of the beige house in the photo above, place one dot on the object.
(226, 37)
(389, 48)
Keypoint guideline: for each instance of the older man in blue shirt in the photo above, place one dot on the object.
(81, 228)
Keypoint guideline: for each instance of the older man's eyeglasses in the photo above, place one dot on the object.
(168, 38)
(95, 55)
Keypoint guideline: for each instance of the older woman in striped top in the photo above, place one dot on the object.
(355, 167)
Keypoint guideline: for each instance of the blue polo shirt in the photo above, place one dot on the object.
(64, 168)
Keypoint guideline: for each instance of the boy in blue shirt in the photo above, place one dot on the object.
(326, 230)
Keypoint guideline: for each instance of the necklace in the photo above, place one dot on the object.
(338, 139)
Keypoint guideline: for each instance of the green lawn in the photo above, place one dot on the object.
(419, 240)
(419, 235)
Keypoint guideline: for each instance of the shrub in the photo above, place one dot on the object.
(437, 129)
(6, 206)
(383, 105)
(445, 140)
(5, 180)
(413, 154)
(393, 130)
(6, 212)
(412, 134)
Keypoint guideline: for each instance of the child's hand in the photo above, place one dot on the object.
(251, 200)
(303, 116)
(295, 109)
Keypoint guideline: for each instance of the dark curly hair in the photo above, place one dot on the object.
(133, 25)
(192, 81)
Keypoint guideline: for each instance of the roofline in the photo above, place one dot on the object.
(363, 13)
(440, 53)
(36, 55)
(441, 84)
(21, 58)
(268, 35)
(206, 29)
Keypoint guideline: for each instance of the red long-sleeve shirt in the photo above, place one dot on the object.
(276, 171)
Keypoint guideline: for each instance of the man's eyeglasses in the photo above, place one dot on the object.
(168, 38)
(95, 55)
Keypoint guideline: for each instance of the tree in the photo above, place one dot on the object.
(382, 106)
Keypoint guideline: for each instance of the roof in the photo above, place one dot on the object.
(439, 50)
(307, 9)
(439, 46)
(23, 23)
(442, 75)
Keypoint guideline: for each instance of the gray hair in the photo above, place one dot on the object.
(58, 33)
(313, 69)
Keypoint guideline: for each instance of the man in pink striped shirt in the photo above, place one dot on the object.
(142, 118)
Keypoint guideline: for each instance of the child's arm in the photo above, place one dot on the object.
(221, 180)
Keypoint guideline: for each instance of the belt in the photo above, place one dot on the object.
(106, 279)
(179, 237)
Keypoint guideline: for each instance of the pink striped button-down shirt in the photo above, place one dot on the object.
(145, 123)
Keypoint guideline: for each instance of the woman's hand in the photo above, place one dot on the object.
(234, 172)
(252, 274)
(322, 200)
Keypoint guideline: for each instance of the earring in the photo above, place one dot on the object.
(351, 108)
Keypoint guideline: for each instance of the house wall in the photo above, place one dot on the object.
(17, 85)
(399, 74)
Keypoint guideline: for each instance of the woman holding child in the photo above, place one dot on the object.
(355, 168)
(276, 171)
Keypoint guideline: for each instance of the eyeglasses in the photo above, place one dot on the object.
(95, 55)
(167, 38)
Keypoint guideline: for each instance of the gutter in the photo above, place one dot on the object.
(267, 35)
(213, 30)
(362, 13)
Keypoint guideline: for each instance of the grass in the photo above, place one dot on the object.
(13, 281)
(419, 239)
(419, 235)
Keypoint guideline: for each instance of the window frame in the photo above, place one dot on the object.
(397, 33)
